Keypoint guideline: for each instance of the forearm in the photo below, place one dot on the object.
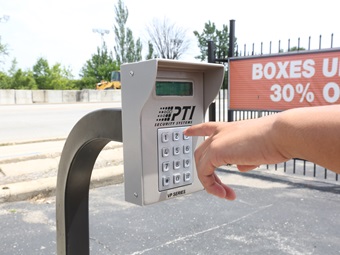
(310, 133)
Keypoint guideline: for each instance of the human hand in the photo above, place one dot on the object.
(246, 144)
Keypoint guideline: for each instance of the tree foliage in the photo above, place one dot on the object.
(126, 49)
(219, 37)
(100, 66)
(167, 39)
(42, 76)
(17, 78)
(55, 77)
(296, 48)
(151, 51)
(23, 80)
(61, 78)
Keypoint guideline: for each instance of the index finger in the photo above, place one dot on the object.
(203, 129)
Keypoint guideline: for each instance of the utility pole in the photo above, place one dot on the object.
(102, 32)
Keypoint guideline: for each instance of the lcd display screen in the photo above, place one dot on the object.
(174, 88)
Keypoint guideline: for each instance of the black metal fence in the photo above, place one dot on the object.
(219, 111)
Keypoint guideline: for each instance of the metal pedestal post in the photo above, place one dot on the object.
(82, 147)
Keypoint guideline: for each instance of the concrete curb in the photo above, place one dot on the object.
(11, 96)
(46, 187)
(54, 139)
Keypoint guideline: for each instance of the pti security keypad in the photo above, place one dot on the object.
(175, 166)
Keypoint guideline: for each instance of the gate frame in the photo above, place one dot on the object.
(254, 113)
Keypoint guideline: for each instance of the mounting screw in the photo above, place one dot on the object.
(131, 73)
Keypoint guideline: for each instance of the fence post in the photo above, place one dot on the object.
(211, 59)
(231, 53)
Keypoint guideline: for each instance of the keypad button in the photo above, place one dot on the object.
(175, 136)
(177, 178)
(187, 176)
(165, 137)
(177, 164)
(166, 180)
(165, 152)
(166, 166)
(186, 149)
(186, 163)
(185, 137)
(177, 150)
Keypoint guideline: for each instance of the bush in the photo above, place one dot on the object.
(5, 81)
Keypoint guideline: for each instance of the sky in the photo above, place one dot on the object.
(62, 30)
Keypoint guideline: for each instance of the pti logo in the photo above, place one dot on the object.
(172, 113)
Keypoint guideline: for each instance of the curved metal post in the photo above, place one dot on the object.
(82, 147)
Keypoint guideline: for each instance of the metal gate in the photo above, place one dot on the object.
(219, 110)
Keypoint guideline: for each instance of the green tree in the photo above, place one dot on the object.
(99, 67)
(61, 78)
(23, 80)
(85, 83)
(126, 49)
(18, 79)
(42, 74)
(5, 81)
(295, 48)
(55, 77)
(219, 37)
(151, 51)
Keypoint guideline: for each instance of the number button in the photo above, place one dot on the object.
(165, 152)
(177, 164)
(165, 137)
(175, 136)
(186, 163)
(166, 166)
(177, 178)
(185, 137)
(186, 149)
(177, 150)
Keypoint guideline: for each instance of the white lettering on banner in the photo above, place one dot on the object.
(284, 70)
(331, 92)
(298, 69)
(308, 66)
(333, 70)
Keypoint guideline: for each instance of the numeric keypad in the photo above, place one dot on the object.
(174, 158)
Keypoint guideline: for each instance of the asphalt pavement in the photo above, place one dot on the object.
(274, 213)
(271, 215)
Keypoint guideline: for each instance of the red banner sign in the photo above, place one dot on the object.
(287, 81)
